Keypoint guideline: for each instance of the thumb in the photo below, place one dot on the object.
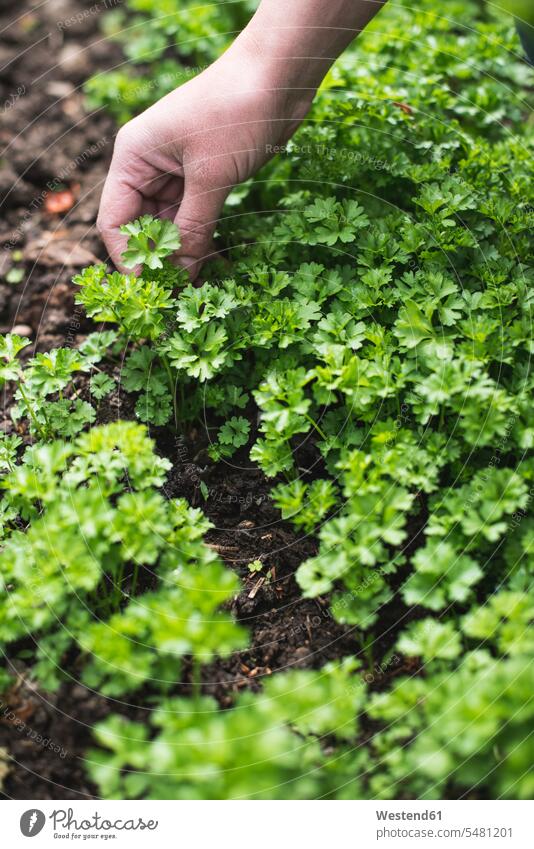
(121, 200)
(196, 219)
(120, 203)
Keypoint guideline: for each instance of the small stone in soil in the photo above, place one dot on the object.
(22, 330)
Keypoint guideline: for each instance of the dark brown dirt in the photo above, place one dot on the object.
(48, 142)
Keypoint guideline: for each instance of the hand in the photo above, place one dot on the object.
(181, 157)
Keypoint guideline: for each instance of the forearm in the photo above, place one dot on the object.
(300, 39)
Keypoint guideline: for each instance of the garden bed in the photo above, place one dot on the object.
(446, 260)
(287, 631)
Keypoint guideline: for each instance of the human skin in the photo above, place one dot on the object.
(181, 157)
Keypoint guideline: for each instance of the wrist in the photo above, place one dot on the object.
(292, 78)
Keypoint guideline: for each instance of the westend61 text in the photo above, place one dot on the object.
(408, 815)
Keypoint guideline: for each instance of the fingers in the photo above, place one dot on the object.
(197, 218)
(121, 202)
(145, 179)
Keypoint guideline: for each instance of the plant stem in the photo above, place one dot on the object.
(316, 426)
(172, 386)
(31, 412)
(135, 576)
(117, 594)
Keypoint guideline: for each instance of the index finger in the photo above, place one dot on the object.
(119, 204)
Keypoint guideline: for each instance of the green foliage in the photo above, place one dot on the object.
(201, 353)
(67, 418)
(504, 621)
(370, 335)
(326, 221)
(232, 435)
(430, 639)
(199, 305)
(441, 574)
(45, 385)
(138, 306)
(306, 505)
(9, 446)
(455, 731)
(101, 385)
(234, 432)
(201, 753)
(150, 241)
(144, 643)
(97, 522)
(249, 751)
(10, 346)
(143, 373)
